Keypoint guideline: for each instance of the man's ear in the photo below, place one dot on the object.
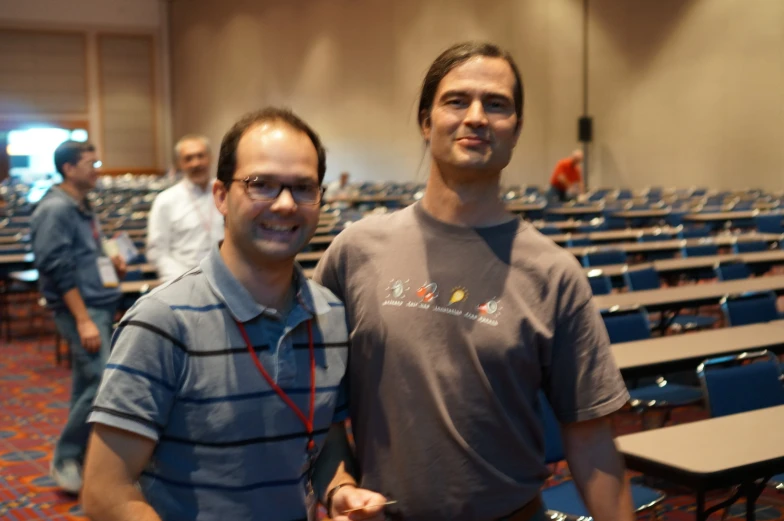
(425, 125)
(220, 194)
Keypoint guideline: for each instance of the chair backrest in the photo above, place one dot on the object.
(604, 258)
(675, 217)
(578, 241)
(553, 444)
(626, 325)
(694, 232)
(134, 275)
(750, 308)
(550, 230)
(746, 382)
(743, 206)
(654, 237)
(641, 278)
(600, 283)
(732, 270)
(700, 250)
(749, 246)
(767, 223)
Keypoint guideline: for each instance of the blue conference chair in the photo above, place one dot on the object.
(563, 501)
(656, 255)
(770, 223)
(632, 324)
(573, 242)
(749, 246)
(603, 258)
(700, 250)
(600, 283)
(732, 270)
(750, 308)
(646, 278)
(694, 232)
(743, 383)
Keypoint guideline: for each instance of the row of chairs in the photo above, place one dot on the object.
(633, 324)
(730, 385)
(645, 277)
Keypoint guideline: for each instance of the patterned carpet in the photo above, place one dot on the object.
(34, 397)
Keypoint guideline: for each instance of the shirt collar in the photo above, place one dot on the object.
(193, 188)
(84, 208)
(239, 301)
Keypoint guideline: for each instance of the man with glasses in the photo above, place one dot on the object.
(80, 284)
(223, 384)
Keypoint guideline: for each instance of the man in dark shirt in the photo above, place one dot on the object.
(80, 284)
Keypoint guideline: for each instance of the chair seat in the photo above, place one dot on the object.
(671, 395)
(564, 498)
(694, 321)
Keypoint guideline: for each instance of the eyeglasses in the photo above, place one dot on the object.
(260, 189)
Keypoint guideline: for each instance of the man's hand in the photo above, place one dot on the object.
(119, 266)
(89, 335)
(349, 498)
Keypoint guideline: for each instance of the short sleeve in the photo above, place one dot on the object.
(581, 381)
(330, 271)
(144, 371)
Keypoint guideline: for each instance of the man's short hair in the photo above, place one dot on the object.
(190, 137)
(70, 152)
(227, 159)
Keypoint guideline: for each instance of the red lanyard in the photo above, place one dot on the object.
(307, 422)
(94, 226)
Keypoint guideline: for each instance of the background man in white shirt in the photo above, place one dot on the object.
(183, 223)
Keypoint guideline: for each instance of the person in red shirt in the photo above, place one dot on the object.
(567, 178)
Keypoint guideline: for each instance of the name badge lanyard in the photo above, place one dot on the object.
(96, 233)
(306, 421)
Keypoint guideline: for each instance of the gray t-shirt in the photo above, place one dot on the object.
(453, 332)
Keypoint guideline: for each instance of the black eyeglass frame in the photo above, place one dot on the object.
(246, 181)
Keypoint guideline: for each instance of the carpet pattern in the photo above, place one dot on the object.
(34, 396)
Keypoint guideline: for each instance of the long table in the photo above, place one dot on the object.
(712, 454)
(685, 352)
(627, 234)
(693, 263)
(576, 210)
(8, 262)
(676, 244)
(692, 295)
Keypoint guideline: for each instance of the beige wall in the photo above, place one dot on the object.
(95, 19)
(686, 91)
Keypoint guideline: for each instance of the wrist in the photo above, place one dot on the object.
(331, 495)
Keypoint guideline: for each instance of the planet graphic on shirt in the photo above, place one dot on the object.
(397, 288)
(428, 291)
(489, 308)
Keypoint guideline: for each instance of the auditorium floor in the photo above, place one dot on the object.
(34, 397)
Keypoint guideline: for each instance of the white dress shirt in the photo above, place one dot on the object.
(182, 227)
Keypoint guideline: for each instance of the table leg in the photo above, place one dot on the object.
(753, 490)
(701, 505)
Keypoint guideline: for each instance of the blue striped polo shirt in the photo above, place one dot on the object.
(180, 374)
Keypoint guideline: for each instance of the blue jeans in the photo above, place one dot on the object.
(86, 369)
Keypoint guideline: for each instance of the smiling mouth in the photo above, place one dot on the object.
(278, 228)
(473, 141)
